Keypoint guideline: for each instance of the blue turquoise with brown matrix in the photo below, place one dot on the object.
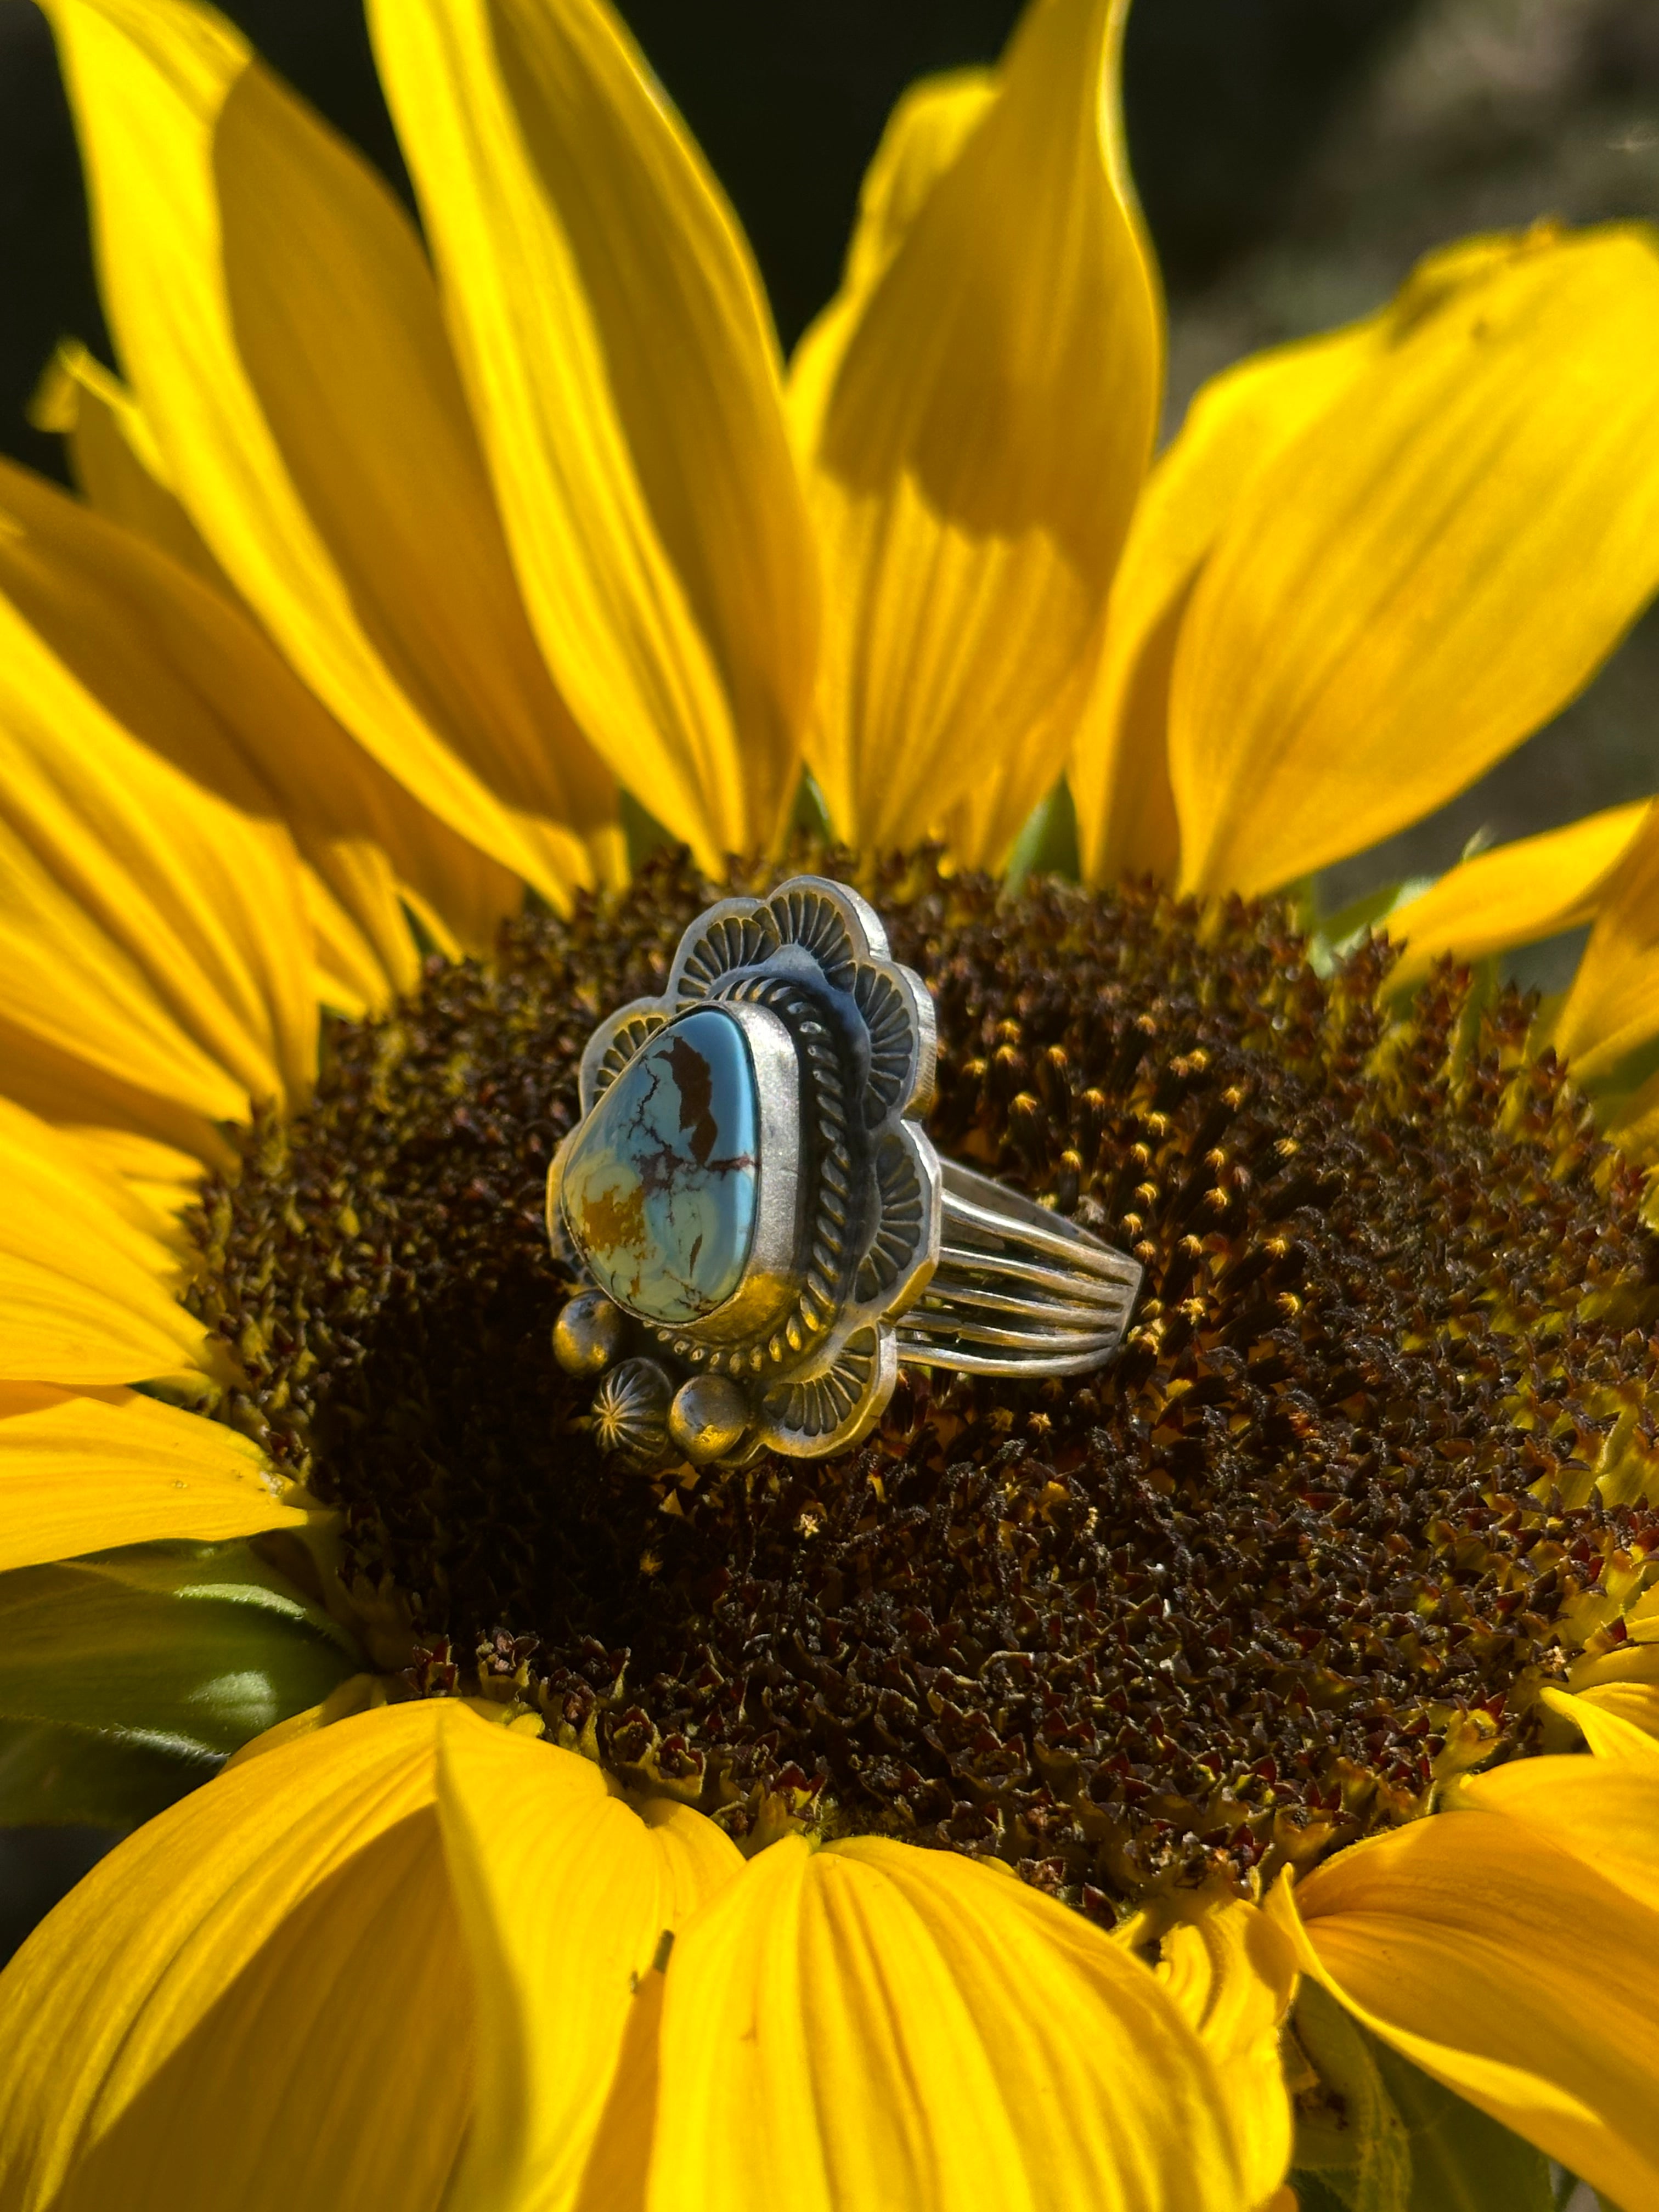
(658, 1191)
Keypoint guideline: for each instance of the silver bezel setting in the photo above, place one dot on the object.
(841, 1042)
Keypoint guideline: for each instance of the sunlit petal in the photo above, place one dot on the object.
(174, 665)
(83, 1473)
(149, 927)
(1619, 1720)
(86, 1293)
(879, 2025)
(261, 1999)
(114, 457)
(925, 131)
(279, 325)
(1233, 1974)
(1604, 1810)
(156, 1178)
(1430, 570)
(1477, 1943)
(1612, 1007)
(1237, 426)
(567, 1895)
(1513, 895)
(621, 364)
(977, 417)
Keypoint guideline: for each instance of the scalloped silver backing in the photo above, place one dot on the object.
(814, 1345)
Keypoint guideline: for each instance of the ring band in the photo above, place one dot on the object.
(1016, 1289)
(760, 1228)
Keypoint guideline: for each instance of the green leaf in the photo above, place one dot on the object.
(1386, 2137)
(1355, 2141)
(1462, 2160)
(1313, 2193)
(175, 1653)
(60, 1776)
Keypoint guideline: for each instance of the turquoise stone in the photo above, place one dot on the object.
(658, 1188)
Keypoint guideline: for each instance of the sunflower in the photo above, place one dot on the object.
(1114, 1793)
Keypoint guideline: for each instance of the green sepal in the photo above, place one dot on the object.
(642, 832)
(809, 818)
(1333, 936)
(1049, 844)
(1392, 2139)
(148, 1666)
(55, 1775)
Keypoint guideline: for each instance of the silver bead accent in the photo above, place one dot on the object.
(707, 1418)
(631, 1412)
(589, 1334)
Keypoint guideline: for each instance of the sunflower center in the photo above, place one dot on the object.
(1361, 1479)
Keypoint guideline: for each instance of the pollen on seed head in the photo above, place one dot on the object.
(1377, 1433)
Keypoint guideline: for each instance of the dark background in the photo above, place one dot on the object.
(1294, 157)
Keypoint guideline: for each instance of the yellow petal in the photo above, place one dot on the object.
(566, 1895)
(96, 1105)
(1513, 895)
(1237, 426)
(983, 825)
(260, 1999)
(1619, 1720)
(1634, 1704)
(622, 370)
(1629, 1120)
(349, 977)
(177, 667)
(148, 926)
(1626, 1663)
(976, 421)
(1604, 1810)
(925, 131)
(877, 2025)
(1610, 1011)
(280, 327)
(84, 1474)
(115, 458)
(186, 671)
(87, 1294)
(1233, 1975)
(929, 126)
(1430, 570)
(157, 1178)
(150, 644)
(1491, 1957)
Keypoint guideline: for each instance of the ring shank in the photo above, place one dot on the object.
(1017, 1290)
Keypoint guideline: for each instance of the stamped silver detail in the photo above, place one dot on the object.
(616, 1045)
(859, 1247)
(630, 1412)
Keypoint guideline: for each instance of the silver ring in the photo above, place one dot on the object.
(763, 1229)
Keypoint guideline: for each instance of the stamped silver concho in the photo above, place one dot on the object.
(764, 1230)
